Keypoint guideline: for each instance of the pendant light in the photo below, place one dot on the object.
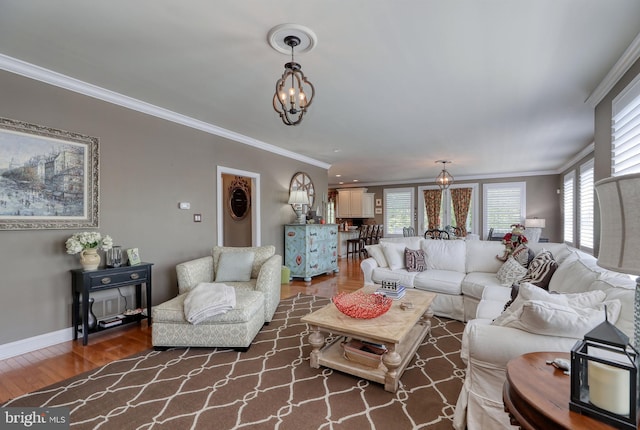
(444, 179)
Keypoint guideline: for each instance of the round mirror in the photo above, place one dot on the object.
(238, 203)
(302, 181)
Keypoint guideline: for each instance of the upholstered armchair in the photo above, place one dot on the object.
(254, 273)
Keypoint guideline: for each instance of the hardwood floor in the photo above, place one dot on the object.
(37, 369)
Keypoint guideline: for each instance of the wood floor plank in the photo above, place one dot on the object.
(38, 369)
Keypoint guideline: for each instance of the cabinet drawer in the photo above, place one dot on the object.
(101, 280)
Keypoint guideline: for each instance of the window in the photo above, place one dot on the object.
(504, 204)
(568, 191)
(626, 130)
(447, 216)
(586, 206)
(398, 210)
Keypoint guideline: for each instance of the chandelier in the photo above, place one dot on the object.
(444, 179)
(294, 93)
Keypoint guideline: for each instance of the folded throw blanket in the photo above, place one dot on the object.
(208, 299)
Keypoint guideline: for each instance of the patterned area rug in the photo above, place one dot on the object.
(271, 386)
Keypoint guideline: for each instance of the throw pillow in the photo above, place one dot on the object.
(523, 255)
(510, 272)
(415, 260)
(554, 319)
(540, 270)
(235, 266)
(376, 252)
(207, 300)
(394, 254)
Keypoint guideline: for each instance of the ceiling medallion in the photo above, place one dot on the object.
(294, 93)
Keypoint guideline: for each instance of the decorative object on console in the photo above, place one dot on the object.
(87, 243)
(291, 101)
(114, 256)
(297, 199)
(134, 256)
(604, 377)
(444, 179)
(619, 199)
(92, 321)
(361, 305)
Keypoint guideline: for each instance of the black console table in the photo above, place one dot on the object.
(87, 281)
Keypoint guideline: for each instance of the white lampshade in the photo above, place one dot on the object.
(298, 197)
(619, 199)
(534, 223)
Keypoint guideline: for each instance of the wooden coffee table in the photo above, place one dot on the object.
(536, 395)
(400, 330)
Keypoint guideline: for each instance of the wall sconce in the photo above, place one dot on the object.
(298, 198)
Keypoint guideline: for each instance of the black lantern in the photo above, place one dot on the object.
(604, 377)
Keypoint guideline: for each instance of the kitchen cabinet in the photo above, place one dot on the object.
(355, 203)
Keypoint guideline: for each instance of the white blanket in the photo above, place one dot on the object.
(208, 299)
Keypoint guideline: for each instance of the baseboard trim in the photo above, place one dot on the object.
(24, 346)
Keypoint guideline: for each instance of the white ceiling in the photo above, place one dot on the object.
(496, 86)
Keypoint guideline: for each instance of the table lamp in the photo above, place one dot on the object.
(534, 228)
(297, 198)
(619, 199)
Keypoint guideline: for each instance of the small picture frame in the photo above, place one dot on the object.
(134, 256)
(378, 211)
(378, 202)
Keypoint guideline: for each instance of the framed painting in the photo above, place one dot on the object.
(48, 178)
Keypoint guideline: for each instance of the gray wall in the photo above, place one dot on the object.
(543, 201)
(147, 166)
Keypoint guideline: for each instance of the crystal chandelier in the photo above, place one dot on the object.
(294, 93)
(444, 179)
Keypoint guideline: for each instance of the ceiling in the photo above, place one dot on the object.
(497, 86)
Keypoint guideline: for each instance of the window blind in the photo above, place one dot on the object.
(625, 135)
(568, 190)
(504, 205)
(586, 205)
(398, 210)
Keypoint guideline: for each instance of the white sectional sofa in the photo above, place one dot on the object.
(464, 276)
(457, 270)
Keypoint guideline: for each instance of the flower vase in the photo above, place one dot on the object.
(90, 259)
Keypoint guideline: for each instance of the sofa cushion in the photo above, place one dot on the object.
(445, 254)
(474, 284)
(573, 276)
(540, 270)
(481, 256)
(510, 272)
(523, 255)
(235, 267)
(619, 287)
(439, 281)
(394, 254)
(414, 259)
(262, 254)
(376, 252)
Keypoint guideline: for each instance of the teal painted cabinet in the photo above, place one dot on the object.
(311, 249)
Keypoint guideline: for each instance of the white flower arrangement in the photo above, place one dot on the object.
(86, 240)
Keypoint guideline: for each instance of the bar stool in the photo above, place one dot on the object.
(356, 245)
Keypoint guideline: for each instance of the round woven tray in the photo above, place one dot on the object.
(361, 305)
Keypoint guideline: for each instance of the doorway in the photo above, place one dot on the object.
(238, 207)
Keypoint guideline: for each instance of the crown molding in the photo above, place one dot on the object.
(629, 57)
(47, 76)
(579, 156)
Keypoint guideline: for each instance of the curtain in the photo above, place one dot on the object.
(461, 200)
(432, 202)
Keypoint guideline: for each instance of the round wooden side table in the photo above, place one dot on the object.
(536, 395)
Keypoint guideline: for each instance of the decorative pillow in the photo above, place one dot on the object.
(415, 260)
(235, 266)
(208, 299)
(510, 272)
(523, 255)
(554, 319)
(394, 254)
(376, 252)
(540, 270)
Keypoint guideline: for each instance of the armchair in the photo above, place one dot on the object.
(256, 301)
